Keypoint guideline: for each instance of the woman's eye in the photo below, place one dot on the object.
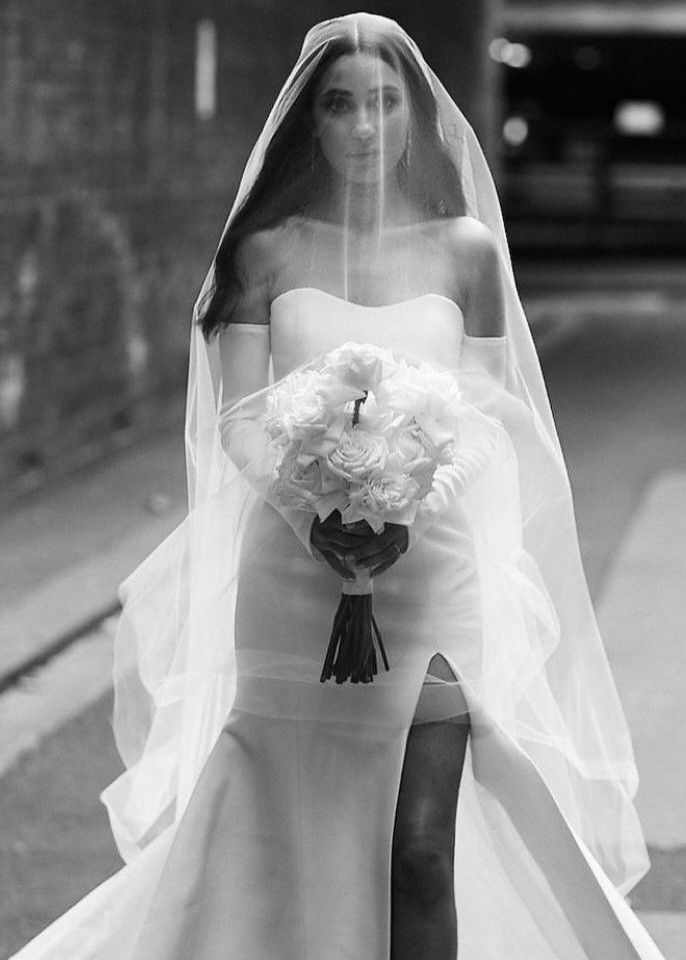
(340, 105)
(336, 105)
(388, 102)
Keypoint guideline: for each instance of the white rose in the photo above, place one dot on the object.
(359, 365)
(421, 390)
(359, 454)
(393, 498)
(429, 397)
(377, 419)
(299, 409)
(308, 483)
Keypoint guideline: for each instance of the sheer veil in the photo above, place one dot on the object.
(543, 675)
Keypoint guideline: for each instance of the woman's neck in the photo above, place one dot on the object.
(369, 207)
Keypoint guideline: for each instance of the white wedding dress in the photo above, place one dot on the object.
(284, 850)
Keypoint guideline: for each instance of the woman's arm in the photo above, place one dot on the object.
(484, 346)
(244, 351)
(476, 261)
(482, 365)
(244, 345)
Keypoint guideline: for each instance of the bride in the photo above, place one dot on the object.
(483, 784)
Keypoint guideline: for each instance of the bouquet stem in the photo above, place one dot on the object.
(351, 654)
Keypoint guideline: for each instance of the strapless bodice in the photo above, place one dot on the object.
(307, 321)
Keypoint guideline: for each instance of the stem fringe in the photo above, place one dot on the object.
(351, 654)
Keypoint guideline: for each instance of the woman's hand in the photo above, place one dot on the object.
(362, 547)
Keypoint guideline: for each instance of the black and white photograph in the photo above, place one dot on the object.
(343, 480)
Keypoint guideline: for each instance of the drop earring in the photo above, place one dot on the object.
(408, 149)
(312, 151)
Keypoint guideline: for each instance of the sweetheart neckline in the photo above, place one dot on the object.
(367, 306)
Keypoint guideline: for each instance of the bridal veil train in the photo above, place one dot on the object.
(257, 808)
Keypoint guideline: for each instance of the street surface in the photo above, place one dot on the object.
(618, 389)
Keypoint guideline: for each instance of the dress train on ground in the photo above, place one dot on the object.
(276, 858)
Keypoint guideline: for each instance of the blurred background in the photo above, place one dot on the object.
(125, 127)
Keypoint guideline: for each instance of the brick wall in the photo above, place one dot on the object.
(112, 197)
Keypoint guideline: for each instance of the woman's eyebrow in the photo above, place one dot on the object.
(339, 91)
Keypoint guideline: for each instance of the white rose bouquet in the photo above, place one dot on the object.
(364, 434)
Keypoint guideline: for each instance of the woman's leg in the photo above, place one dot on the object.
(423, 916)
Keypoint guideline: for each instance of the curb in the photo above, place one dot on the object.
(46, 652)
(48, 620)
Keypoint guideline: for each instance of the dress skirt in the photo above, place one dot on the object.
(284, 849)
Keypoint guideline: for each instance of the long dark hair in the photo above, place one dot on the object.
(289, 180)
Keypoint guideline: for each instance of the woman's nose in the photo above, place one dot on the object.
(364, 125)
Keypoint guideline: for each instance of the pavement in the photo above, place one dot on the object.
(69, 547)
(64, 552)
(642, 619)
(72, 545)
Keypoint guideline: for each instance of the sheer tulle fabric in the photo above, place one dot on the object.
(176, 667)
(220, 717)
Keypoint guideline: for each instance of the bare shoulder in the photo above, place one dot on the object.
(476, 253)
(472, 238)
(255, 261)
(255, 254)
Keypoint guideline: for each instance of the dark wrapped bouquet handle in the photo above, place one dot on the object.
(351, 654)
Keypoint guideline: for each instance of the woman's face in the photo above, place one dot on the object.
(361, 117)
